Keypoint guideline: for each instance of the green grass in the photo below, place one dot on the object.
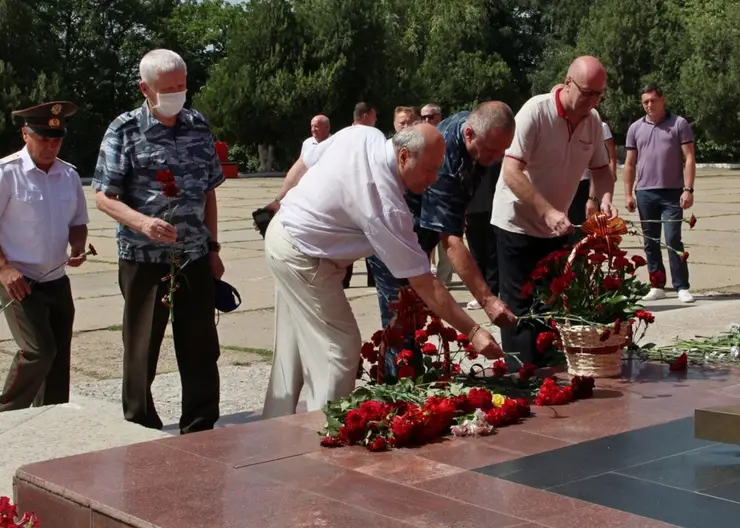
(263, 353)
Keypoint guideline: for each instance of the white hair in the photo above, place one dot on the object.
(489, 115)
(433, 108)
(160, 61)
(411, 138)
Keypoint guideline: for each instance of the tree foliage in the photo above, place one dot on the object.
(259, 70)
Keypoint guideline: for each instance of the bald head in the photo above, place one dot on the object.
(588, 71)
(420, 150)
(584, 87)
(320, 127)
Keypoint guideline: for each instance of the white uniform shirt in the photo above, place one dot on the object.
(555, 154)
(350, 204)
(607, 137)
(36, 211)
(309, 145)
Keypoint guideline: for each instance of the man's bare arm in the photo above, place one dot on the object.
(602, 183)
(211, 214)
(464, 264)
(689, 172)
(294, 175)
(78, 238)
(628, 174)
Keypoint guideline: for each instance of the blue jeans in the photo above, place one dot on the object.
(387, 287)
(663, 204)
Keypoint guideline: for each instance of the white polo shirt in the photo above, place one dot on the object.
(308, 145)
(36, 211)
(556, 154)
(350, 204)
(607, 137)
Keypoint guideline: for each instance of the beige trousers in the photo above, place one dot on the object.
(317, 340)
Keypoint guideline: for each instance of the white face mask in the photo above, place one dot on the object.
(170, 104)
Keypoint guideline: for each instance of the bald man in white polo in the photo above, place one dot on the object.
(558, 136)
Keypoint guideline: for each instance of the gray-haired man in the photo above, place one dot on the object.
(474, 140)
(156, 176)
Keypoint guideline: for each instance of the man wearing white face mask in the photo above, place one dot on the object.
(156, 176)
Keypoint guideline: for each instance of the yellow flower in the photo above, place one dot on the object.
(498, 400)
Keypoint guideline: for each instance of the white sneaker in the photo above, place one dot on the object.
(434, 270)
(685, 296)
(473, 305)
(655, 294)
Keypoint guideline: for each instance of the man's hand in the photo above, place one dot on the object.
(499, 313)
(273, 207)
(609, 210)
(76, 257)
(558, 222)
(592, 207)
(630, 203)
(14, 283)
(217, 265)
(687, 200)
(486, 345)
(159, 230)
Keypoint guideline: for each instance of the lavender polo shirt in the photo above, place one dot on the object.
(659, 154)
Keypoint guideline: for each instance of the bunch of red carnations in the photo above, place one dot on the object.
(9, 516)
(550, 393)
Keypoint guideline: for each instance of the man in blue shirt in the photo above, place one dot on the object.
(156, 176)
(474, 140)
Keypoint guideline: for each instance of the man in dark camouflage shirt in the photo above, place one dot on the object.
(156, 176)
(474, 141)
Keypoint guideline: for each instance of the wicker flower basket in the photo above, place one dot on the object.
(587, 355)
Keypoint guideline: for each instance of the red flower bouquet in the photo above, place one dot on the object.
(9, 516)
(417, 408)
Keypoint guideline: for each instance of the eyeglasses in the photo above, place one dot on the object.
(588, 93)
(428, 117)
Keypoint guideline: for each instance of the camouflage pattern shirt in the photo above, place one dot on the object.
(135, 148)
(441, 207)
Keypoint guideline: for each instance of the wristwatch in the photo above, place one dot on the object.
(214, 246)
(595, 199)
(689, 189)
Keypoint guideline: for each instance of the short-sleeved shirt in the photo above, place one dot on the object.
(442, 206)
(556, 154)
(135, 148)
(607, 137)
(659, 151)
(37, 209)
(350, 204)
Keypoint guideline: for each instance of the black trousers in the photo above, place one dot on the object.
(577, 210)
(197, 350)
(518, 255)
(481, 237)
(350, 270)
(41, 325)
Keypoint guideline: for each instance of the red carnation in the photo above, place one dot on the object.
(527, 371)
(612, 283)
(377, 337)
(604, 335)
(527, 290)
(499, 368)
(680, 364)
(378, 444)
(479, 398)
(407, 371)
(429, 349)
(684, 256)
(421, 336)
(404, 357)
(645, 316)
(368, 352)
(692, 222)
(462, 340)
(582, 387)
(638, 261)
(617, 326)
(545, 341)
(165, 176)
(597, 258)
(657, 279)
(170, 190)
(331, 441)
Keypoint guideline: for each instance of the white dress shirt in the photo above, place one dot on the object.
(607, 137)
(350, 204)
(36, 211)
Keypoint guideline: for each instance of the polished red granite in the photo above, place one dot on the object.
(274, 473)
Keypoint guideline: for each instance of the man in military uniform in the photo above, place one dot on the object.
(474, 140)
(156, 176)
(42, 212)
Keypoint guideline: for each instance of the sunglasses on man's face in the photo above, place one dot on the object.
(428, 117)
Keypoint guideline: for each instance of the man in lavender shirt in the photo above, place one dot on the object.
(657, 146)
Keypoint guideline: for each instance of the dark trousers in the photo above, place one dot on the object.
(663, 204)
(518, 255)
(41, 325)
(577, 210)
(197, 350)
(481, 237)
(350, 270)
